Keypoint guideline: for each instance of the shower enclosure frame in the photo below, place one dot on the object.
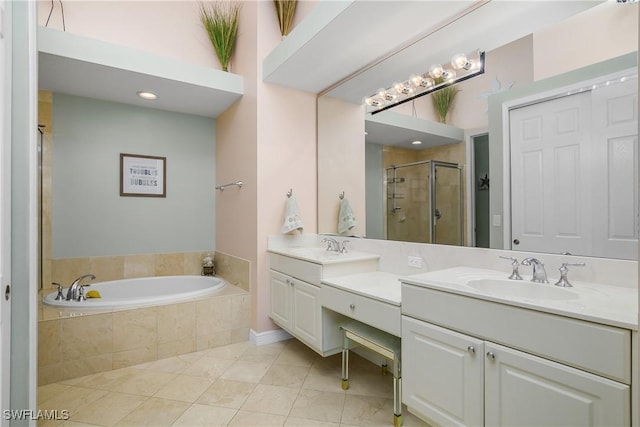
(433, 164)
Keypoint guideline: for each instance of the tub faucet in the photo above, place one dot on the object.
(72, 293)
(539, 273)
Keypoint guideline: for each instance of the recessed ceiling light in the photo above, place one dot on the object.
(147, 95)
(416, 142)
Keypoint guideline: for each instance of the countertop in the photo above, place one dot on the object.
(605, 304)
(322, 256)
(378, 285)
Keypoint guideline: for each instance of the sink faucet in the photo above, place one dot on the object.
(334, 246)
(539, 273)
(73, 289)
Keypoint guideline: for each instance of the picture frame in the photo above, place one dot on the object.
(143, 176)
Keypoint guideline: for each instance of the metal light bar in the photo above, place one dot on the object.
(461, 68)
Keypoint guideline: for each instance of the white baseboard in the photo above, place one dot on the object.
(268, 337)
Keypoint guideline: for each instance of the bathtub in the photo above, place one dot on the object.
(140, 292)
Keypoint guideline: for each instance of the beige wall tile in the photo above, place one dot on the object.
(107, 268)
(49, 347)
(240, 311)
(169, 264)
(87, 336)
(139, 266)
(175, 348)
(87, 366)
(213, 315)
(233, 269)
(176, 322)
(134, 329)
(239, 335)
(217, 339)
(48, 374)
(66, 270)
(122, 359)
(193, 262)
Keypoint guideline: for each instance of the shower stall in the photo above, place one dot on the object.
(425, 203)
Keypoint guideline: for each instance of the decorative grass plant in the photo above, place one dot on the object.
(442, 100)
(220, 19)
(285, 9)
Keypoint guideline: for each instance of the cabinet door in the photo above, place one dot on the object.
(442, 374)
(280, 293)
(306, 317)
(525, 390)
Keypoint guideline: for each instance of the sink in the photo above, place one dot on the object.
(317, 253)
(521, 289)
(323, 256)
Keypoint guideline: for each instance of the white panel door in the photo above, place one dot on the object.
(525, 390)
(5, 208)
(442, 379)
(615, 141)
(307, 317)
(550, 162)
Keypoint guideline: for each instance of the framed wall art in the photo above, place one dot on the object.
(143, 176)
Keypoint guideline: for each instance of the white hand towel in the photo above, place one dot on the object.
(292, 220)
(346, 219)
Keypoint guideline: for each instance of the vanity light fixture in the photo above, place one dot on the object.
(462, 67)
(147, 95)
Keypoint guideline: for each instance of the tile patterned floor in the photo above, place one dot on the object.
(281, 384)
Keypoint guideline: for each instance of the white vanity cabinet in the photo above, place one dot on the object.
(294, 288)
(468, 361)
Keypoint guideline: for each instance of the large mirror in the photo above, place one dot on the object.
(464, 184)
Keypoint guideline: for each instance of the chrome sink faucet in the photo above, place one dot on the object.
(334, 246)
(539, 273)
(72, 293)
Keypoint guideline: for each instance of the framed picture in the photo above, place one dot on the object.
(143, 176)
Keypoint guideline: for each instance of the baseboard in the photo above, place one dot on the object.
(268, 337)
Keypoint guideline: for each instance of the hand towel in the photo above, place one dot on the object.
(292, 220)
(346, 219)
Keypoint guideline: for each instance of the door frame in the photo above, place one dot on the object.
(469, 182)
(548, 95)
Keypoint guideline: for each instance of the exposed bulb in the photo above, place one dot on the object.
(435, 71)
(448, 75)
(460, 61)
(402, 88)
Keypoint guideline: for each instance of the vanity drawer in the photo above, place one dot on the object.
(303, 270)
(600, 349)
(386, 317)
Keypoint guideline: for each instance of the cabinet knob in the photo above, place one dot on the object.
(491, 355)
(352, 306)
(471, 349)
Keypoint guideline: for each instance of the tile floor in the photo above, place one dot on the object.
(281, 384)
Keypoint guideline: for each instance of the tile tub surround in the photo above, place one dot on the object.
(279, 384)
(65, 270)
(72, 344)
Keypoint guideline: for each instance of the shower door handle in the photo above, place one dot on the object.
(437, 214)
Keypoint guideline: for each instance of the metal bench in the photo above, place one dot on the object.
(382, 343)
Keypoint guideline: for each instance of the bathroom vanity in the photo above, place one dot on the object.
(479, 349)
(295, 277)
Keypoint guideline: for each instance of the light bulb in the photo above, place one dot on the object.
(403, 88)
(448, 75)
(435, 71)
(459, 61)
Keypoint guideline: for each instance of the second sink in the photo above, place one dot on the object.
(521, 289)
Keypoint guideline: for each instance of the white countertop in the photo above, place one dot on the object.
(606, 304)
(378, 285)
(322, 256)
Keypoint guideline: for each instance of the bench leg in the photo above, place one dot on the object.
(345, 368)
(397, 394)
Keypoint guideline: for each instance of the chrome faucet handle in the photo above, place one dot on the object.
(563, 281)
(343, 249)
(60, 295)
(515, 274)
(81, 296)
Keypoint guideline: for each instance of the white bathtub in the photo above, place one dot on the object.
(144, 291)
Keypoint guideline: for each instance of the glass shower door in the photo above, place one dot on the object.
(446, 202)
